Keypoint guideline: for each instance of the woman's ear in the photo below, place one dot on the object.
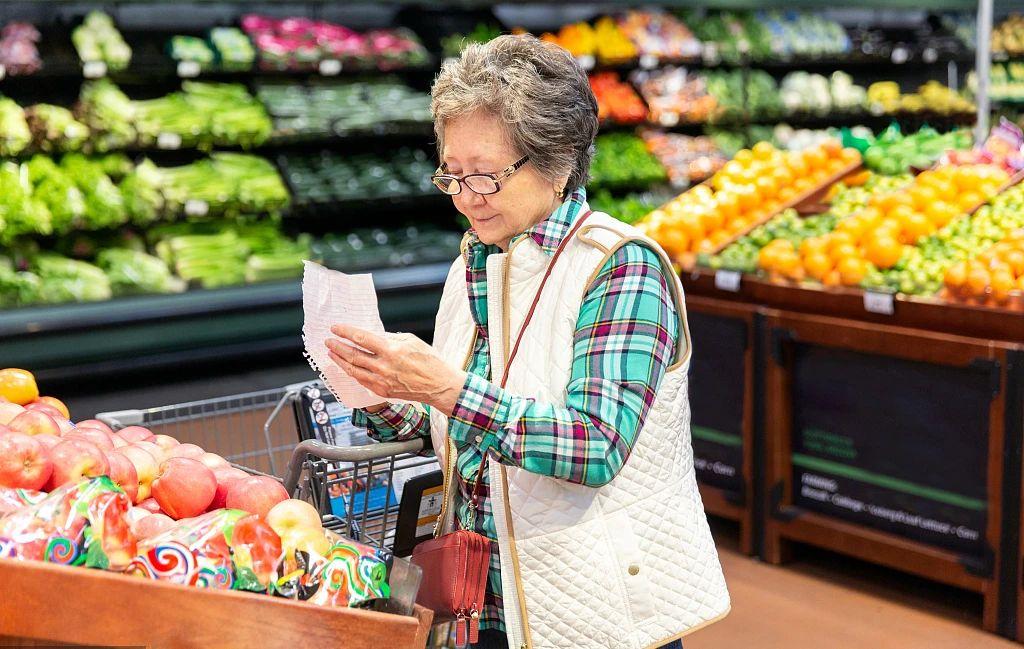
(559, 186)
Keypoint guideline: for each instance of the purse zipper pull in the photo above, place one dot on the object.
(461, 639)
(474, 625)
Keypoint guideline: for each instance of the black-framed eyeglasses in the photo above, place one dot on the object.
(483, 184)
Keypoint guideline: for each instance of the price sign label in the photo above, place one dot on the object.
(876, 302)
(94, 69)
(168, 141)
(330, 67)
(587, 62)
(648, 62)
(900, 55)
(3, 71)
(188, 69)
(194, 207)
(930, 55)
(727, 280)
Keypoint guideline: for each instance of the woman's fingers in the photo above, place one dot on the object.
(353, 355)
(365, 378)
(363, 338)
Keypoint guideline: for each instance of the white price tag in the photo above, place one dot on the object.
(188, 69)
(929, 55)
(330, 67)
(3, 71)
(94, 69)
(727, 280)
(669, 119)
(169, 141)
(875, 302)
(900, 55)
(195, 207)
(648, 61)
(587, 62)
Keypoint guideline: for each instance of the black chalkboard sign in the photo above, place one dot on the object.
(716, 399)
(897, 445)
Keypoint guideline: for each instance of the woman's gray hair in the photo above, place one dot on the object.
(536, 89)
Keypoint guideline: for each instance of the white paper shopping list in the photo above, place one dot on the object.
(330, 298)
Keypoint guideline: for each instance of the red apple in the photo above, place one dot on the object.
(153, 525)
(150, 505)
(48, 441)
(24, 462)
(166, 442)
(122, 471)
(256, 494)
(97, 437)
(95, 423)
(146, 468)
(184, 487)
(45, 408)
(135, 434)
(65, 425)
(32, 422)
(152, 449)
(74, 459)
(8, 411)
(213, 461)
(56, 403)
(225, 476)
(186, 450)
(291, 516)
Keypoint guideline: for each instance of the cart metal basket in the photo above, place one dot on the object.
(258, 433)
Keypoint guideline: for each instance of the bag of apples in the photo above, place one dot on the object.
(81, 523)
(11, 498)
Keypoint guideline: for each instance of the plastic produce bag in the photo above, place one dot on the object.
(77, 524)
(12, 499)
(347, 573)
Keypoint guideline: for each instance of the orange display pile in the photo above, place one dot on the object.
(879, 234)
(616, 99)
(751, 188)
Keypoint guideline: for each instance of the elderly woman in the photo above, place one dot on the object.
(582, 439)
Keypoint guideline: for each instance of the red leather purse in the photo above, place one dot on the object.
(455, 565)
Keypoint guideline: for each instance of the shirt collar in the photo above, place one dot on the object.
(548, 234)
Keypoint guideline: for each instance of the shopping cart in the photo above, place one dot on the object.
(262, 433)
(259, 432)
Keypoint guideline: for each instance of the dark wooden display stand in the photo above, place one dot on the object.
(721, 377)
(887, 444)
(44, 604)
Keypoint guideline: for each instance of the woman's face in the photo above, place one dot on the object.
(475, 143)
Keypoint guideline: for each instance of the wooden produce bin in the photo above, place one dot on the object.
(722, 409)
(888, 444)
(44, 604)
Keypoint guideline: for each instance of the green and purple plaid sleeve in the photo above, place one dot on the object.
(625, 337)
(393, 423)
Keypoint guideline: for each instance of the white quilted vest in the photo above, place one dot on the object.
(628, 565)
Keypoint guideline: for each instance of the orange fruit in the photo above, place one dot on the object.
(833, 278)
(817, 265)
(766, 187)
(788, 263)
(956, 275)
(18, 386)
(871, 215)
(1015, 260)
(728, 204)
(884, 251)
(815, 159)
(832, 148)
(712, 220)
(977, 281)
(922, 196)
(844, 251)
(787, 193)
(901, 213)
(1020, 283)
(744, 157)
(675, 241)
(719, 238)
(692, 225)
(1002, 283)
(916, 227)
(852, 271)
(836, 239)
(969, 200)
(797, 165)
(850, 155)
(813, 245)
(747, 197)
(940, 212)
(763, 150)
(783, 176)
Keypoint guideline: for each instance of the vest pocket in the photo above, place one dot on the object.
(632, 569)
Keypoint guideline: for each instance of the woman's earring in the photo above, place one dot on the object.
(560, 193)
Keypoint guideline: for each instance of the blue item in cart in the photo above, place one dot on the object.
(380, 495)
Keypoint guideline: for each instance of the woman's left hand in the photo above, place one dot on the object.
(399, 366)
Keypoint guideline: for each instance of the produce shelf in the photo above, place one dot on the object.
(74, 340)
(106, 609)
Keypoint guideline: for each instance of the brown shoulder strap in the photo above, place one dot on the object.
(522, 330)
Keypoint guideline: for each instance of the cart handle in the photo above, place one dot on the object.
(362, 453)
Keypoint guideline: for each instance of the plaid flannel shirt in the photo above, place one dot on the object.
(625, 339)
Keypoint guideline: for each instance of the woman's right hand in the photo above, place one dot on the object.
(377, 407)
